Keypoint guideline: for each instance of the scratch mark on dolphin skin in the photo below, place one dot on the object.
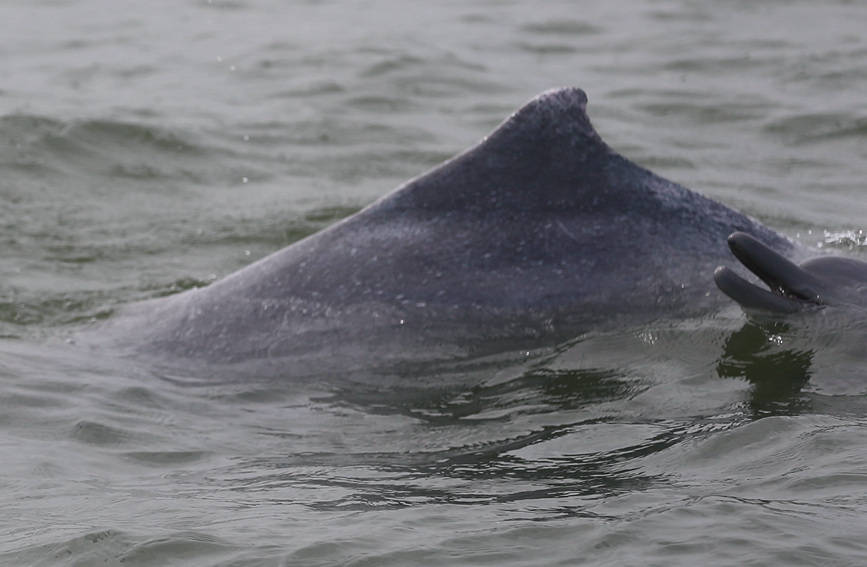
(567, 231)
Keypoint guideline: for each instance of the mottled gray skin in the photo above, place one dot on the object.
(538, 233)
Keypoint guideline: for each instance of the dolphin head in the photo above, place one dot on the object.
(818, 282)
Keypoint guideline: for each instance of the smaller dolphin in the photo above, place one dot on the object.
(827, 280)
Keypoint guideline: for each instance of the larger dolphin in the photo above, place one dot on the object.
(539, 232)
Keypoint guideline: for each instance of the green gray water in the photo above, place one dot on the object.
(149, 147)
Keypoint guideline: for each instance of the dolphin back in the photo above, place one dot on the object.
(539, 232)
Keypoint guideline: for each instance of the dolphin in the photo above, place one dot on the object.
(826, 280)
(538, 233)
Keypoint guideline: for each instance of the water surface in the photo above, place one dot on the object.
(154, 148)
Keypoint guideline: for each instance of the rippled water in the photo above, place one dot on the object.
(157, 146)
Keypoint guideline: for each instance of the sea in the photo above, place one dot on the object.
(147, 148)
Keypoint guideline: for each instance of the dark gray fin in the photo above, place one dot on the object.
(778, 272)
(752, 297)
(791, 287)
(545, 156)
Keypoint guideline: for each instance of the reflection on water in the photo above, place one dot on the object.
(518, 440)
(536, 390)
(777, 373)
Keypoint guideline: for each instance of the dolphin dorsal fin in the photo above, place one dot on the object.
(542, 157)
(555, 115)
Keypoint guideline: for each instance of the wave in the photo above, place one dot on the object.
(38, 145)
